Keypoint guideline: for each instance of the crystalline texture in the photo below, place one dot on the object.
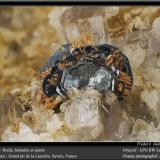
(82, 113)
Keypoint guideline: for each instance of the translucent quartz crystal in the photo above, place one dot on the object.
(25, 135)
(145, 132)
(111, 11)
(54, 124)
(156, 28)
(73, 22)
(123, 130)
(151, 98)
(54, 20)
(82, 115)
(89, 133)
(97, 29)
(151, 75)
(79, 120)
(139, 127)
(135, 54)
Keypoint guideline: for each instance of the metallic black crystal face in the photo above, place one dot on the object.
(86, 75)
(100, 66)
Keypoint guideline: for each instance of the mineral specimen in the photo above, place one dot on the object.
(136, 55)
(25, 46)
(102, 67)
(156, 28)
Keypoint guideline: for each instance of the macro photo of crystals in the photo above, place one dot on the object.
(79, 74)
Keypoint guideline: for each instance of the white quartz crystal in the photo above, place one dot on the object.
(151, 75)
(111, 11)
(137, 23)
(156, 28)
(135, 54)
(79, 121)
(25, 134)
(143, 131)
(139, 127)
(152, 99)
(83, 112)
(82, 115)
(54, 20)
(54, 124)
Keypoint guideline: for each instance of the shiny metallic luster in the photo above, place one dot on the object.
(102, 67)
